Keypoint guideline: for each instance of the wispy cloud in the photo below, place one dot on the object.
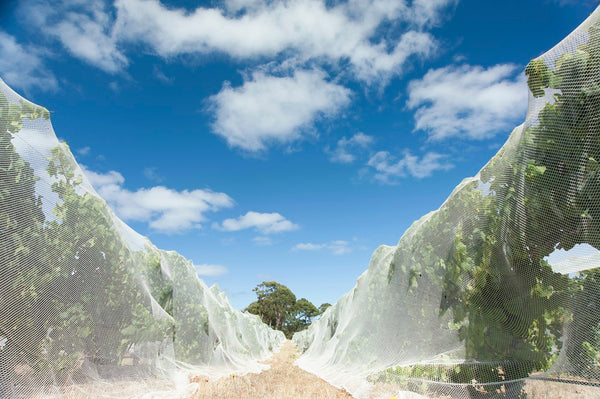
(346, 148)
(83, 151)
(467, 101)
(23, 66)
(263, 241)
(265, 223)
(389, 168)
(165, 210)
(151, 174)
(85, 30)
(271, 109)
(211, 270)
(563, 3)
(160, 75)
(307, 246)
(337, 247)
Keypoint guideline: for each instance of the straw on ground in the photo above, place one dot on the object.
(283, 380)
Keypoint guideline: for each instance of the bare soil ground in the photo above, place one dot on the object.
(537, 389)
(282, 381)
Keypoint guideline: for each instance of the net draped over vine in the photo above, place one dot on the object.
(498, 291)
(84, 299)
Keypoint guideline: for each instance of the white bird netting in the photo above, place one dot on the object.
(497, 293)
(87, 305)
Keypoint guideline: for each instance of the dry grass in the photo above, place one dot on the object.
(283, 380)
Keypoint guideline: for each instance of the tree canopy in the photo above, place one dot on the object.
(278, 307)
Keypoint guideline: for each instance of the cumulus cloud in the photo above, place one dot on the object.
(467, 101)
(337, 247)
(346, 148)
(358, 34)
(266, 223)
(165, 210)
(310, 29)
(270, 109)
(22, 66)
(367, 41)
(211, 270)
(388, 168)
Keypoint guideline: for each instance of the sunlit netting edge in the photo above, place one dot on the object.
(497, 293)
(88, 306)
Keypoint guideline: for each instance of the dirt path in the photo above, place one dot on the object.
(282, 381)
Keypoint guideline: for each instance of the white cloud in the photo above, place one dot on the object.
(151, 174)
(337, 247)
(372, 64)
(362, 34)
(310, 29)
(269, 109)
(345, 149)
(262, 241)
(468, 101)
(85, 29)
(164, 209)
(88, 40)
(211, 270)
(22, 66)
(83, 151)
(369, 41)
(266, 223)
(578, 3)
(388, 168)
(428, 12)
(307, 246)
(160, 75)
(103, 180)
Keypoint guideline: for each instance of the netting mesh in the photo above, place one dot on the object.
(86, 301)
(497, 293)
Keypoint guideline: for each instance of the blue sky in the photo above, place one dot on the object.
(279, 140)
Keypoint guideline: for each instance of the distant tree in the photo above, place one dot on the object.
(306, 311)
(277, 306)
(323, 307)
(303, 314)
